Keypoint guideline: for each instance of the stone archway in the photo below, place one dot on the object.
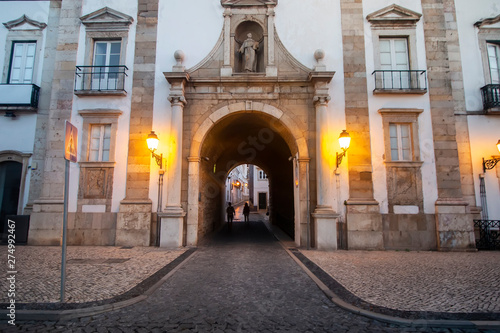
(255, 133)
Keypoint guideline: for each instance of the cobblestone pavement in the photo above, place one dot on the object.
(418, 281)
(93, 273)
(242, 281)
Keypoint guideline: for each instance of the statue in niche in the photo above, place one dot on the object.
(249, 50)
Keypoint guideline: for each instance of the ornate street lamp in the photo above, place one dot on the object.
(152, 141)
(344, 141)
(491, 163)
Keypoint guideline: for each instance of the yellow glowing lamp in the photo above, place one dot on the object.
(238, 184)
(152, 141)
(498, 146)
(345, 140)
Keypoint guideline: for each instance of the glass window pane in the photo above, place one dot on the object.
(100, 60)
(385, 45)
(400, 45)
(385, 59)
(115, 47)
(114, 60)
(392, 130)
(101, 48)
(407, 154)
(394, 155)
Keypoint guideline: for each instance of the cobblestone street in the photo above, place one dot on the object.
(242, 281)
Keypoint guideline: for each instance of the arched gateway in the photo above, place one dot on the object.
(226, 112)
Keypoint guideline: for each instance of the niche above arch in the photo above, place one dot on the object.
(240, 35)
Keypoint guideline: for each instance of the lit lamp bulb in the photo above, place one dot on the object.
(345, 140)
(498, 146)
(152, 141)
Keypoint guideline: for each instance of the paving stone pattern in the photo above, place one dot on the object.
(93, 273)
(241, 281)
(418, 281)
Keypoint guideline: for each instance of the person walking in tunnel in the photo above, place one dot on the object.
(246, 212)
(230, 215)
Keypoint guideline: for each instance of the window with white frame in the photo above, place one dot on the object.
(22, 62)
(106, 58)
(494, 62)
(100, 142)
(395, 61)
(400, 138)
(262, 175)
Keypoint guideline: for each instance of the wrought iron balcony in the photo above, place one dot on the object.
(19, 97)
(491, 96)
(400, 81)
(100, 80)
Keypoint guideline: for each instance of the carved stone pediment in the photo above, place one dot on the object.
(492, 22)
(244, 3)
(24, 23)
(394, 15)
(107, 19)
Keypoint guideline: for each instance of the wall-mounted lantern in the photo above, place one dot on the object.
(491, 163)
(344, 141)
(152, 141)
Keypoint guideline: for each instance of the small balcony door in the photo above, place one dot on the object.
(106, 54)
(22, 63)
(394, 59)
(494, 62)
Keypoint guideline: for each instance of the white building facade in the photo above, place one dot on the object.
(414, 83)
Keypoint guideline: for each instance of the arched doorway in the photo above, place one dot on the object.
(252, 137)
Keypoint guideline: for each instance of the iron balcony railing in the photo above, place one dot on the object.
(19, 95)
(414, 81)
(489, 234)
(491, 96)
(100, 78)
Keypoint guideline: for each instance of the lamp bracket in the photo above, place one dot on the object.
(340, 157)
(490, 164)
(158, 158)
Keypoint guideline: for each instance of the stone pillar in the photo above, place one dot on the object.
(364, 221)
(303, 221)
(193, 205)
(134, 217)
(226, 69)
(271, 69)
(454, 225)
(172, 218)
(40, 146)
(325, 219)
(46, 219)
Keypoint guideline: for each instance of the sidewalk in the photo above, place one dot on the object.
(93, 273)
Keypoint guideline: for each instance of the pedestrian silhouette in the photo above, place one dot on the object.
(230, 215)
(246, 212)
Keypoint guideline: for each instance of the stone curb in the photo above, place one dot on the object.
(57, 315)
(444, 323)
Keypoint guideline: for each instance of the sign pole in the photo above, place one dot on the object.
(70, 155)
(65, 227)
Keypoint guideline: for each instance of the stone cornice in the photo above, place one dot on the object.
(394, 15)
(487, 21)
(22, 20)
(248, 3)
(100, 113)
(107, 19)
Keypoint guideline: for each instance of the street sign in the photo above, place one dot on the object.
(71, 142)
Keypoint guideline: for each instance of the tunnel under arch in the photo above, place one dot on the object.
(251, 137)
